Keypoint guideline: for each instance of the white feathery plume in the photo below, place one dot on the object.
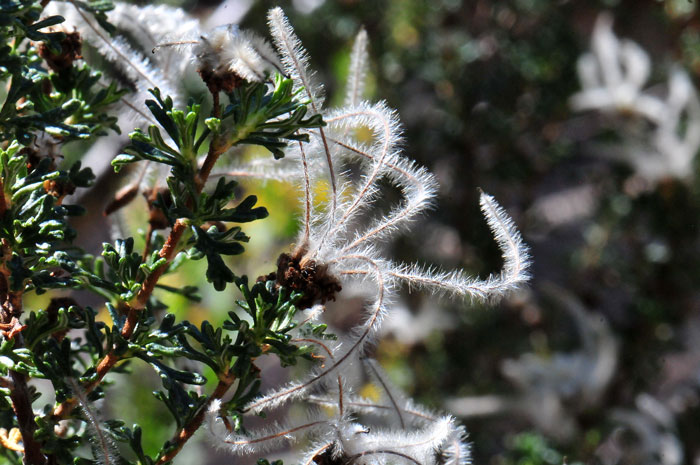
(384, 125)
(364, 447)
(276, 398)
(357, 73)
(262, 58)
(356, 257)
(308, 196)
(141, 72)
(150, 25)
(117, 50)
(259, 441)
(407, 442)
(512, 276)
(456, 450)
(225, 49)
(294, 57)
(612, 76)
(228, 49)
(678, 134)
(104, 448)
(296, 63)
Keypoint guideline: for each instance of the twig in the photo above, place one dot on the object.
(168, 250)
(215, 150)
(19, 392)
(190, 428)
(22, 405)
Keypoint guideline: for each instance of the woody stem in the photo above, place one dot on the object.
(186, 432)
(10, 310)
(168, 251)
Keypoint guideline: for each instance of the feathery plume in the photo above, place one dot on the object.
(296, 62)
(327, 240)
(294, 57)
(612, 77)
(103, 446)
(357, 73)
(337, 246)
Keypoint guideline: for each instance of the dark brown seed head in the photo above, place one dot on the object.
(307, 276)
(71, 47)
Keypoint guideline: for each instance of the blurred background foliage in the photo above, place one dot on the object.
(599, 361)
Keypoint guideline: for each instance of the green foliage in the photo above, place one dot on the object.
(533, 449)
(67, 105)
(34, 228)
(267, 118)
(54, 98)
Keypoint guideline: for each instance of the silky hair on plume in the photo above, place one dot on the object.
(340, 244)
(226, 55)
(357, 152)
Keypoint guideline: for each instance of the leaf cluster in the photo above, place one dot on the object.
(67, 104)
(54, 98)
(258, 114)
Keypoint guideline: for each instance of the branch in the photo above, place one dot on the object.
(190, 428)
(168, 250)
(19, 392)
(22, 405)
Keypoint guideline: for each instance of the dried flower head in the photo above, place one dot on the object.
(228, 53)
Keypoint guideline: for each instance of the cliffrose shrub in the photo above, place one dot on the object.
(260, 96)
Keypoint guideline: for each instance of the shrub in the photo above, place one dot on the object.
(54, 98)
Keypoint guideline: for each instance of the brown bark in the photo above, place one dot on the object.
(22, 405)
(10, 310)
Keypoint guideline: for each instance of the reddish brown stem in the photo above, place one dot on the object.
(10, 310)
(102, 369)
(214, 152)
(111, 359)
(147, 245)
(189, 429)
(149, 284)
(215, 149)
(168, 252)
(22, 405)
